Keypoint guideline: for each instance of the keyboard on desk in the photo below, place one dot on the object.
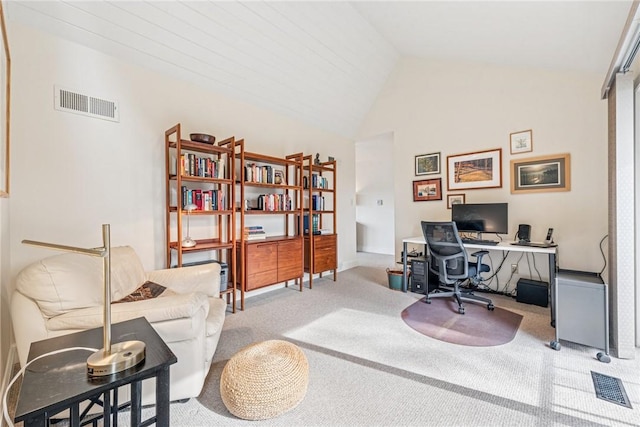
(479, 242)
(535, 244)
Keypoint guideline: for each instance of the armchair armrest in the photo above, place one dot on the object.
(159, 309)
(204, 278)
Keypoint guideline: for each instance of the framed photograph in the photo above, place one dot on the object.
(538, 174)
(427, 164)
(428, 189)
(472, 171)
(521, 142)
(5, 84)
(454, 199)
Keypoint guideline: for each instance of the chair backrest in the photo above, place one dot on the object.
(447, 255)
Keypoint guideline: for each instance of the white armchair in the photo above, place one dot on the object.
(63, 294)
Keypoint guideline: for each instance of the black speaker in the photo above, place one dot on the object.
(524, 232)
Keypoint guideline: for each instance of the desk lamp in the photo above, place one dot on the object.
(188, 242)
(110, 359)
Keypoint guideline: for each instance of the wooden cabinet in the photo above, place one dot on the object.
(269, 208)
(200, 194)
(272, 261)
(319, 218)
(324, 253)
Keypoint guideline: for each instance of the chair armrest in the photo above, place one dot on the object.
(479, 253)
(204, 278)
(159, 309)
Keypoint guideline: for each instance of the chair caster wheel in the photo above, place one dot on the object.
(461, 310)
(555, 345)
(491, 307)
(428, 301)
(604, 358)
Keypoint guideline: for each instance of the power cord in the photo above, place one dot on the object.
(604, 258)
(5, 410)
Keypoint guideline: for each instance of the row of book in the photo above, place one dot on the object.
(265, 174)
(193, 165)
(275, 202)
(253, 232)
(318, 181)
(205, 200)
(317, 203)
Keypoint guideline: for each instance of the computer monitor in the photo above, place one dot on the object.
(481, 217)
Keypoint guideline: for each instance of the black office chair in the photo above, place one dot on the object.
(449, 260)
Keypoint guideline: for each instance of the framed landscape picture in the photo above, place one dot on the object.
(544, 173)
(470, 171)
(428, 189)
(427, 164)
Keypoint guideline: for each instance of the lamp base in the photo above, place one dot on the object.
(188, 243)
(123, 355)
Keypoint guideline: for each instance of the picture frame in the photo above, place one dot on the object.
(521, 141)
(541, 174)
(455, 199)
(427, 164)
(471, 171)
(5, 102)
(427, 190)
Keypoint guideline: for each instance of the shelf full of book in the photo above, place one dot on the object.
(319, 218)
(200, 195)
(269, 208)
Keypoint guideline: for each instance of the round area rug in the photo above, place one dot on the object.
(478, 327)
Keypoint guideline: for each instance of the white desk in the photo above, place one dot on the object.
(502, 246)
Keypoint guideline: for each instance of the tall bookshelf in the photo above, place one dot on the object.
(269, 199)
(319, 218)
(201, 174)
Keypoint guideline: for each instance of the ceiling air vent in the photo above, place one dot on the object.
(87, 105)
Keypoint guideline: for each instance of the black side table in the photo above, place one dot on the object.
(59, 382)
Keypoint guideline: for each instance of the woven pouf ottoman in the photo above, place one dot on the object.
(264, 380)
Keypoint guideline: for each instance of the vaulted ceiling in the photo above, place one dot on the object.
(324, 63)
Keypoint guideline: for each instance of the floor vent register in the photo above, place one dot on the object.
(610, 389)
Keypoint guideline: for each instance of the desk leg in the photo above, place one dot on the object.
(404, 267)
(552, 287)
(136, 403)
(162, 398)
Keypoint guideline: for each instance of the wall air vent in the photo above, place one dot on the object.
(75, 102)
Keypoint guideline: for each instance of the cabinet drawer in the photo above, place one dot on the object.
(324, 242)
(261, 257)
(289, 260)
(325, 262)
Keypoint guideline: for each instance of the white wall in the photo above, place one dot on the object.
(374, 184)
(457, 108)
(70, 173)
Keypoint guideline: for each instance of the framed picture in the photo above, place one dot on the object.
(427, 164)
(471, 171)
(454, 199)
(538, 174)
(521, 142)
(428, 189)
(5, 84)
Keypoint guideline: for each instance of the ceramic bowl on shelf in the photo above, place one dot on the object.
(202, 137)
